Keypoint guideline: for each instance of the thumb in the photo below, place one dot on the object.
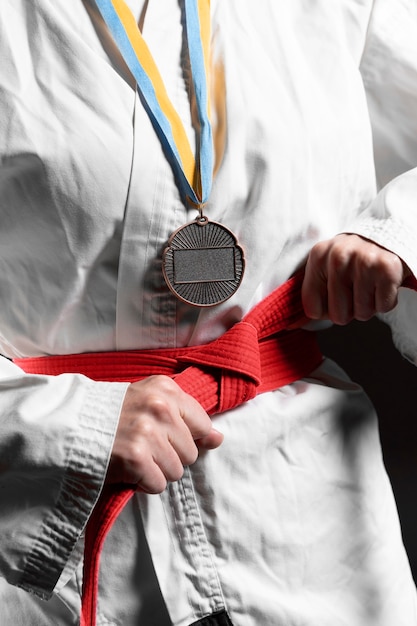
(211, 441)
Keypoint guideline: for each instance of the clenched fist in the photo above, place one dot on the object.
(160, 430)
(349, 277)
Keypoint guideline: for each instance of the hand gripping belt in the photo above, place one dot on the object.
(255, 355)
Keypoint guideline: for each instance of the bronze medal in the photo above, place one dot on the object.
(203, 264)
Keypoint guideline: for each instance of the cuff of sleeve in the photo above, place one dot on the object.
(390, 220)
(391, 234)
(87, 461)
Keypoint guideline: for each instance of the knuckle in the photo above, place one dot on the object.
(157, 406)
(318, 252)
(392, 268)
(139, 457)
(163, 383)
(339, 258)
(147, 429)
(151, 389)
(371, 262)
(383, 264)
(161, 397)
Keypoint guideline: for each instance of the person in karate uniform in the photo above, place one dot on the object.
(287, 515)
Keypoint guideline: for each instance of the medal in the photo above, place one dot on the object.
(202, 263)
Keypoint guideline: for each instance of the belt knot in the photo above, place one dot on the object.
(231, 363)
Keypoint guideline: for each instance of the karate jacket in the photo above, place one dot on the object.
(314, 113)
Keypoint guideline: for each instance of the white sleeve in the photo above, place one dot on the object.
(56, 435)
(389, 70)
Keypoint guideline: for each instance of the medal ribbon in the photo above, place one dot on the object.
(194, 176)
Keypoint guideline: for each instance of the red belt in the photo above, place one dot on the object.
(256, 355)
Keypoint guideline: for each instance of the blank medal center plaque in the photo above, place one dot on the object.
(203, 264)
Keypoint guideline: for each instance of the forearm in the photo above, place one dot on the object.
(56, 435)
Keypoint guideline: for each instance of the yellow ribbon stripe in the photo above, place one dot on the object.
(143, 53)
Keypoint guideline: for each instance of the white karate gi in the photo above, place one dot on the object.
(291, 522)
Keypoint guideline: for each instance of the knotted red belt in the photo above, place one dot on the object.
(256, 355)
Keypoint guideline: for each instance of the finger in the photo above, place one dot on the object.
(339, 297)
(141, 470)
(389, 278)
(181, 442)
(364, 304)
(364, 307)
(194, 416)
(180, 414)
(377, 284)
(156, 464)
(170, 463)
(314, 288)
(386, 297)
(152, 481)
